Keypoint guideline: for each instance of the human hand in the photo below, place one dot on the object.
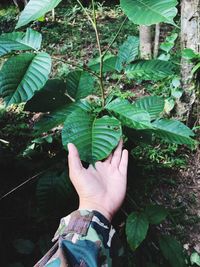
(101, 188)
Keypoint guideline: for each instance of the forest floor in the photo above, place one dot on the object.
(70, 41)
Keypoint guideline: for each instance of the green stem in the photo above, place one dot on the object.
(114, 39)
(100, 55)
(87, 14)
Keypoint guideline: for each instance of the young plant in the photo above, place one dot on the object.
(94, 127)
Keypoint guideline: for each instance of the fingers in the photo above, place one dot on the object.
(109, 159)
(124, 162)
(116, 158)
(74, 159)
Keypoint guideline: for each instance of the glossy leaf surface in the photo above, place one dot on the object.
(58, 116)
(129, 115)
(154, 105)
(31, 40)
(149, 70)
(79, 84)
(127, 52)
(173, 131)
(19, 84)
(94, 137)
(35, 9)
(148, 12)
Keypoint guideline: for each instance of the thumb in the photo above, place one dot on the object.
(74, 161)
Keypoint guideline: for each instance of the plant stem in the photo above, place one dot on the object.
(114, 39)
(100, 55)
(87, 14)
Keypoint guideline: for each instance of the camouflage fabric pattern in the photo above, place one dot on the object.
(84, 239)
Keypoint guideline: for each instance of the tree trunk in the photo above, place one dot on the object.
(156, 40)
(145, 42)
(190, 38)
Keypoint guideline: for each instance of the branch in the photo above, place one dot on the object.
(114, 39)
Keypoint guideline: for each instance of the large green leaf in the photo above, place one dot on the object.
(173, 131)
(79, 84)
(129, 115)
(58, 116)
(127, 52)
(136, 229)
(49, 98)
(52, 192)
(148, 12)
(109, 63)
(20, 41)
(36, 9)
(155, 213)
(94, 137)
(172, 251)
(21, 76)
(154, 105)
(149, 70)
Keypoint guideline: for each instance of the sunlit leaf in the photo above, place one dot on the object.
(31, 40)
(148, 12)
(21, 76)
(150, 70)
(36, 9)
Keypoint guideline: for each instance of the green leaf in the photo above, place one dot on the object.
(58, 116)
(154, 105)
(149, 70)
(136, 229)
(188, 53)
(129, 115)
(146, 12)
(94, 137)
(79, 84)
(21, 76)
(169, 43)
(172, 251)
(23, 246)
(108, 64)
(127, 52)
(36, 9)
(53, 192)
(49, 98)
(195, 259)
(20, 41)
(169, 105)
(173, 131)
(155, 213)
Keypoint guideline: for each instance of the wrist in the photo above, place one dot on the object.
(85, 205)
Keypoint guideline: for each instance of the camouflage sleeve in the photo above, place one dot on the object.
(85, 239)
